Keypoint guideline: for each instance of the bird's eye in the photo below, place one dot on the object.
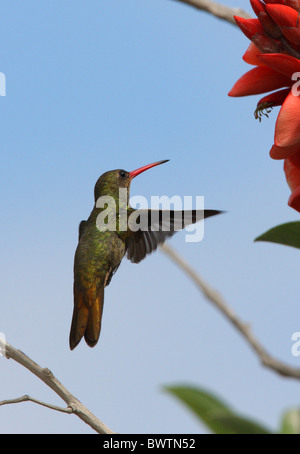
(122, 173)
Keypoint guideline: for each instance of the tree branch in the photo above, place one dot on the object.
(44, 374)
(216, 299)
(218, 10)
(27, 398)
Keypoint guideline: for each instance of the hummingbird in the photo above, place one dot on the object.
(100, 250)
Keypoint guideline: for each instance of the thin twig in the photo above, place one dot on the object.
(44, 374)
(216, 299)
(27, 398)
(218, 10)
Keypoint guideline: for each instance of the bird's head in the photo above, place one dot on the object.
(110, 182)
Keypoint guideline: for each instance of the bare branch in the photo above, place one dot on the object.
(218, 10)
(44, 374)
(27, 398)
(216, 299)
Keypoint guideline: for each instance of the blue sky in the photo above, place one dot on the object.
(93, 86)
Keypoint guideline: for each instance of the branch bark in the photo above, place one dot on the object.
(218, 10)
(44, 374)
(27, 398)
(216, 299)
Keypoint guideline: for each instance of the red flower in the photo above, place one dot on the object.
(292, 173)
(275, 53)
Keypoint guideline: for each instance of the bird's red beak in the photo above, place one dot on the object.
(136, 172)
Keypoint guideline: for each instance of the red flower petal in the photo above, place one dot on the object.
(292, 174)
(259, 80)
(275, 99)
(287, 129)
(268, 24)
(249, 26)
(283, 15)
(294, 200)
(250, 56)
(287, 18)
(284, 152)
(275, 1)
(284, 64)
(253, 29)
(293, 3)
(296, 161)
(267, 45)
(258, 6)
(292, 34)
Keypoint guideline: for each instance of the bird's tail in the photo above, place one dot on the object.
(86, 320)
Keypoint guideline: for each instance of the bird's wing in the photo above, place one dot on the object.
(81, 229)
(156, 226)
(110, 275)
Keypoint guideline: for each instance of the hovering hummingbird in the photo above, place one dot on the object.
(100, 252)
